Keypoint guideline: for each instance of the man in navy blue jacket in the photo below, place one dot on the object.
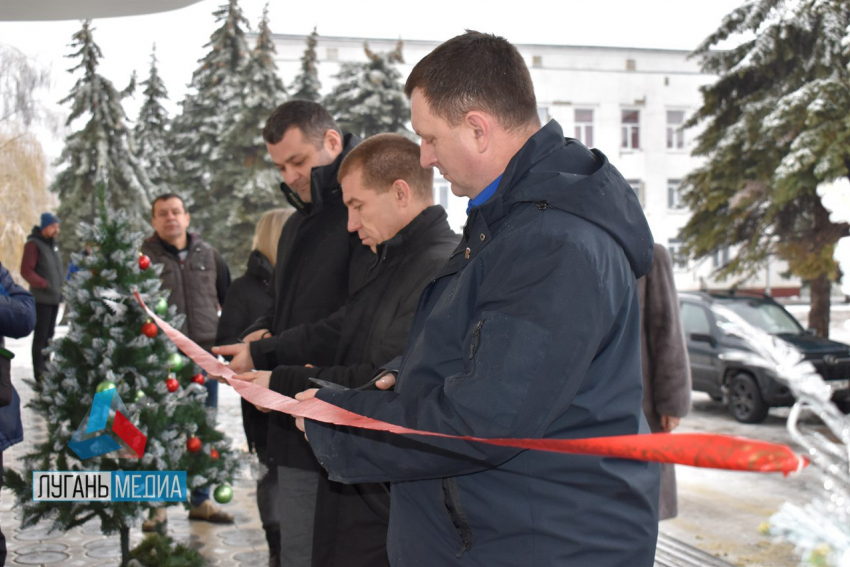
(532, 329)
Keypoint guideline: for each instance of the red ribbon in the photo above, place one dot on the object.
(706, 450)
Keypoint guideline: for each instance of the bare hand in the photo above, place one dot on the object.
(386, 382)
(241, 353)
(669, 423)
(301, 396)
(255, 336)
(260, 378)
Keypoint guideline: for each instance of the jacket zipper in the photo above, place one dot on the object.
(476, 339)
(451, 500)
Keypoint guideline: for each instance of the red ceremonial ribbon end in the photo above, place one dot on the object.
(695, 449)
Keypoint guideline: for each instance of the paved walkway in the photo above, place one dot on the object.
(240, 544)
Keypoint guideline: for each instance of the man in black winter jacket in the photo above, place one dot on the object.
(318, 263)
(531, 330)
(391, 208)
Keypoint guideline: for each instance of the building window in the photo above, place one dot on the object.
(680, 260)
(637, 187)
(332, 54)
(584, 126)
(674, 196)
(675, 134)
(543, 114)
(720, 258)
(631, 130)
(536, 60)
(631, 65)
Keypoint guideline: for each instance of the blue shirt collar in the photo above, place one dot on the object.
(484, 196)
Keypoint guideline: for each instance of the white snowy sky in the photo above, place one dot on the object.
(181, 34)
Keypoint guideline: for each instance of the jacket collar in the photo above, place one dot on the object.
(259, 266)
(191, 238)
(410, 237)
(553, 172)
(36, 234)
(324, 185)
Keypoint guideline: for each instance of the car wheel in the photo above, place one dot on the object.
(745, 401)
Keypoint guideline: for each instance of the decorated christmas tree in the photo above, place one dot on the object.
(369, 98)
(306, 84)
(112, 344)
(101, 150)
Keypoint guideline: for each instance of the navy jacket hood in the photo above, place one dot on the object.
(596, 191)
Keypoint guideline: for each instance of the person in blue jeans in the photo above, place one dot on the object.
(198, 279)
(17, 319)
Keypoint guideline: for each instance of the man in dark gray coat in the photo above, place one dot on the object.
(666, 368)
(531, 330)
(41, 266)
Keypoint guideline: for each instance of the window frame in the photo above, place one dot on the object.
(581, 129)
(675, 141)
(630, 131)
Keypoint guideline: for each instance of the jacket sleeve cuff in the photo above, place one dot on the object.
(392, 366)
(290, 380)
(263, 354)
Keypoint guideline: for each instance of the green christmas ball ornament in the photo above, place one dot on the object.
(105, 385)
(161, 307)
(175, 361)
(223, 494)
(140, 395)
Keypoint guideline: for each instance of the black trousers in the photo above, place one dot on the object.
(45, 324)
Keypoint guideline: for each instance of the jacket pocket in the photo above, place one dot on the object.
(460, 526)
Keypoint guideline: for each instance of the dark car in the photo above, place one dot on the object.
(750, 391)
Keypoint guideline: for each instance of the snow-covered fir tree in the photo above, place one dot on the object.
(196, 132)
(245, 178)
(306, 85)
(151, 132)
(775, 127)
(369, 98)
(110, 345)
(100, 152)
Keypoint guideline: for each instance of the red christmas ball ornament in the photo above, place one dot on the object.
(172, 384)
(198, 379)
(149, 329)
(213, 453)
(144, 262)
(193, 444)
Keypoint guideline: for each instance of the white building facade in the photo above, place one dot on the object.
(629, 103)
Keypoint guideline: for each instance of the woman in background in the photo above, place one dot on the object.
(245, 302)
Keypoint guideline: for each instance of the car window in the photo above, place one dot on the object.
(766, 316)
(695, 319)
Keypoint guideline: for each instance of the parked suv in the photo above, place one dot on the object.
(751, 391)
